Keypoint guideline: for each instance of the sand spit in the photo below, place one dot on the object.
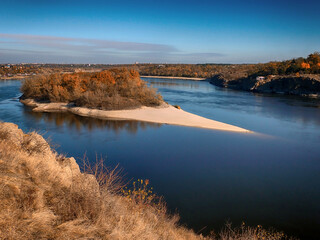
(183, 78)
(14, 78)
(165, 114)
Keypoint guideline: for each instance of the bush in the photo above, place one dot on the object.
(109, 89)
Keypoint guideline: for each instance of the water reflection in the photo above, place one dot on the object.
(85, 123)
(295, 109)
(170, 84)
(185, 84)
(253, 111)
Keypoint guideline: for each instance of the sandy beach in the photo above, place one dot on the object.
(165, 114)
(14, 78)
(168, 77)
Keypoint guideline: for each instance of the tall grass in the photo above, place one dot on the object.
(44, 195)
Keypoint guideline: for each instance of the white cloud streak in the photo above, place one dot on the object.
(36, 48)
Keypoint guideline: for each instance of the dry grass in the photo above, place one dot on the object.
(249, 233)
(108, 178)
(44, 195)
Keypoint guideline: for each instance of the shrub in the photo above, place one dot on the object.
(245, 232)
(109, 89)
(142, 193)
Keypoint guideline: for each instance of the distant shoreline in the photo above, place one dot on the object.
(163, 77)
(14, 78)
(169, 77)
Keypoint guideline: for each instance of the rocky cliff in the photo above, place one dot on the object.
(292, 85)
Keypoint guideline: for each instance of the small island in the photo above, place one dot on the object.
(110, 94)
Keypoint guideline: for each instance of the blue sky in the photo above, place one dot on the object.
(157, 31)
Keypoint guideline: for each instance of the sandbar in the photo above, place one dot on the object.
(165, 114)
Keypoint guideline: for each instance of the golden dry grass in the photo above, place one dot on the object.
(44, 195)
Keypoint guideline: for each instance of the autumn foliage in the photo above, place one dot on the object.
(305, 65)
(109, 89)
(309, 65)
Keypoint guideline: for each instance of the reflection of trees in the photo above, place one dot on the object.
(292, 108)
(283, 107)
(87, 123)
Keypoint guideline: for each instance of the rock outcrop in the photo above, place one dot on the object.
(291, 85)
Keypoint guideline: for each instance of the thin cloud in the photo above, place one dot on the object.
(79, 43)
(203, 55)
(17, 48)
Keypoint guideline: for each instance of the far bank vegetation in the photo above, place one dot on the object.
(297, 66)
(109, 89)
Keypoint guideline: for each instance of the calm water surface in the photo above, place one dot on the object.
(209, 177)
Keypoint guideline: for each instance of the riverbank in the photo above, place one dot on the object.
(306, 86)
(169, 77)
(164, 114)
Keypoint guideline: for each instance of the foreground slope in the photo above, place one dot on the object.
(45, 196)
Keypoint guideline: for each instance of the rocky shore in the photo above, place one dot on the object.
(308, 86)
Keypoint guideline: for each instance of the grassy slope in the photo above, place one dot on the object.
(44, 195)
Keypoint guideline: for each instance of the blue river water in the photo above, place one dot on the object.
(270, 178)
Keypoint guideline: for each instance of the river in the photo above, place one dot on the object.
(270, 178)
